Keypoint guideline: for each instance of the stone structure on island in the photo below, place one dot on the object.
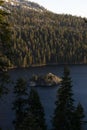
(45, 80)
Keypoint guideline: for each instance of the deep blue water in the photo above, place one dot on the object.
(47, 95)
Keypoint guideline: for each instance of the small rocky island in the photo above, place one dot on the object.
(47, 80)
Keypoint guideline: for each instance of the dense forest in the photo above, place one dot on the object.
(38, 45)
(40, 37)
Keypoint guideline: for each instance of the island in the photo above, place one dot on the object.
(46, 80)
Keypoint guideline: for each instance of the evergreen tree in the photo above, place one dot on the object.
(63, 116)
(4, 80)
(5, 34)
(79, 115)
(4, 49)
(35, 114)
(34, 43)
(19, 104)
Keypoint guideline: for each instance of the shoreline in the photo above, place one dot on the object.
(44, 65)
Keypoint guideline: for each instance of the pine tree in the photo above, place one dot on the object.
(35, 114)
(4, 29)
(79, 115)
(63, 116)
(4, 48)
(19, 105)
(4, 80)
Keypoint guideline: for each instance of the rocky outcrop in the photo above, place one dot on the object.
(45, 80)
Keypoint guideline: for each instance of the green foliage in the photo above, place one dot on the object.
(4, 43)
(45, 38)
(29, 113)
(4, 80)
(80, 111)
(79, 115)
(66, 117)
(35, 113)
(4, 31)
(29, 123)
(20, 91)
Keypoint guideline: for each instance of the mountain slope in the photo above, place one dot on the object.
(25, 4)
(42, 37)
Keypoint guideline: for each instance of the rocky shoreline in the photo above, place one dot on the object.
(47, 80)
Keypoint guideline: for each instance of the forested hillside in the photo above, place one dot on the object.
(42, 37)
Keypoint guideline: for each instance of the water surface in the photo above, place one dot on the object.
(47, 95)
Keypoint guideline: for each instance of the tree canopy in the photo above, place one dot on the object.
(4, 49)
(66, 115)
(46, 38)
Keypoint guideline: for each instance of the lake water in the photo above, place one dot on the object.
(47, 95)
